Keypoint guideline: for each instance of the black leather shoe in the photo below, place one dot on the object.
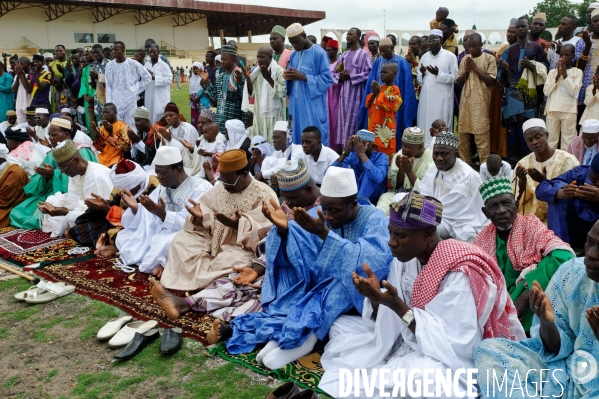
(136, 345)
(171, 342)
(285, 391)
(307, 394)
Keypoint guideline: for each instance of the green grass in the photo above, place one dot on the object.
(181, 98)
(10, 382)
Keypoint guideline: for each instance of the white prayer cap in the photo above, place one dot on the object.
(65, 111)
(533, 122)
(590, 126)
(3, 150)
(595, 12)
(48, 55)
(42, 111)
(280, 126)
(436, 32)
(294, 30)
(592, 6)
(339, 183)
(374, 38)
(217, 58)
(167, 156)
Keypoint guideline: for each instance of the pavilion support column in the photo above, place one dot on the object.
(238, 39)
(249, 36)
(212, 42)
(222, 37)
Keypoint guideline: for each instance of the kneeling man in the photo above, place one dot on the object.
(441, 299)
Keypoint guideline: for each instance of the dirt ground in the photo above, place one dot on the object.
(50, 351)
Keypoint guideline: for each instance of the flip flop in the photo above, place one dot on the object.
(38, 289)
(53, 291)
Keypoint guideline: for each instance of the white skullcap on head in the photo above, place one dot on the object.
(592, 6)
(436, 32)
(374, 38)
(534, 122)
(595, 12)
(42, 111)
(48, 55)
(217, 58)
(280, 126)
(65, 111)
(339, 183)
(294, 29)
(385, 41)
(590, 126)
(3, 150)
(167, 156)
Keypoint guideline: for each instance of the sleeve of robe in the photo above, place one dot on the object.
(162, 76)
(547, 189)
(132, 220)
(109, 82)
(321, 79)
(449, 76)
(409, 107)
(280, 88)
(589, 98)
(83, 90)
(6, 84)
(252, 228)
(144, 77)
(11, 193)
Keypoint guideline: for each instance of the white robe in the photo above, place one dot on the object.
(158, 91)
(275, 162)
(184, 131)
(457, 189)
(436, 95)
(447, 332)
(145, 239)
(193, 163)
(95, 180)
(124, 82)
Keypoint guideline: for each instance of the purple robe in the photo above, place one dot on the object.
(350, 96)
(333, 104)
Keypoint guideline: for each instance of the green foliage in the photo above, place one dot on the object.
(557, 9)
(582, 12)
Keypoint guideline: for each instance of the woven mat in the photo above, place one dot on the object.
(100, 279)
(15, 242)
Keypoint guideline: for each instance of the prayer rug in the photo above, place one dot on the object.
(101, 279)
(19, 241)
(305, 372)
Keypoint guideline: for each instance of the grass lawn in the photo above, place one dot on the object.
(50, 351)
(181, 98)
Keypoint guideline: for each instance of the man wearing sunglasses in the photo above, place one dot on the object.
(85, 178)
(42, 122)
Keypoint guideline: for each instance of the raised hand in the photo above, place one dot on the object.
(376, 88)
(293, 74)
(275, 214)
(107, 126)
(60, 68)
(588, 193)
(46, 208)
(586, 38)
(230, 222)
(541, 305)
(371, 289)
(359, 146)
(197, 217)
(525, 63)
(312, 225)
(187, 145)
(166, 134)
(569, 191)
(433, 69)
(593, 319)
(97, 203)
(238, 76)
(406, 164)
(95, 128)
(133, 137)
(422, 69)
(536, 175)
(46, 171)
(504, 66)
(348, 145)
(156, 209)
(129, 200)
(205, 76)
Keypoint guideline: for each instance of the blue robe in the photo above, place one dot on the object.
(370, 176)
(308, 99)
(409, 108)
(571, 293)
(308, 282)
(570, 219)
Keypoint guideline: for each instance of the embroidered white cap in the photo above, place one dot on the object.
(339, 183)
(167, 156)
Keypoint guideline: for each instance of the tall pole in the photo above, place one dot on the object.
(384, 23)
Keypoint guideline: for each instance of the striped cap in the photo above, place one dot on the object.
(293, 175)
(495, 186)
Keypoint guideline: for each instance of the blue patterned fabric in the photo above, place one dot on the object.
(571, 293)
(308, 282)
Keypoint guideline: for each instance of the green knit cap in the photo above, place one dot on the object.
(64, 151)
(279, 30)
(495, 186)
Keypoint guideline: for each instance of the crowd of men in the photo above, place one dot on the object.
(326, 197)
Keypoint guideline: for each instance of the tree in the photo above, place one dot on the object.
(582, 12)
(555, 11)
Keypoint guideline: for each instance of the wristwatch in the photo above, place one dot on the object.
(408, 318)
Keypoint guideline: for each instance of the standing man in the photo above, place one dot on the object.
(413, 57)
(158, 91)
(227, 91)
(147, 45)
(97, 82)
(351, 73)
(536, 28)
(277, 42)
(40, 84)
(437, 73)
(522, 59)
(60, 61)
(333, 93)
(407, 111)
(72, 73)
(210, 66)
(373, 47)
(308, 79)
(267, 86)
(22, 88)
(125, 79)
(476, 75)
(566, 29)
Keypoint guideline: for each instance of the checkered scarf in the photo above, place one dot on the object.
(529, 242)
(493, 311)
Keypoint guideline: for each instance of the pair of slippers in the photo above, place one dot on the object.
(45, 291)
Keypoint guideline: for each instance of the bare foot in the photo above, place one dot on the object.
(106, 251)
(171, 304)
(219, 332)
(158, 271)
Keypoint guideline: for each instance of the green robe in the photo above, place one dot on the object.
(26, 215)
(546, 268)
(86, 89)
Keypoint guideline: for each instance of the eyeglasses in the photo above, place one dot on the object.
(433, 40)
(229, 184)
(63, 168)
(37, 118)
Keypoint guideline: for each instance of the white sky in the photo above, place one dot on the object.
(402, 14)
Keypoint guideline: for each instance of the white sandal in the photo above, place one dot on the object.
(38, 289)
(52, 291)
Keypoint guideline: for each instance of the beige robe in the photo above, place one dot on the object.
(199, 255)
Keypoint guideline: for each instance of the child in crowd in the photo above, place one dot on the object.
(382, 104)
(561, 88)
(440, 16)
(212, 169)
(61, 95)
(209, 145)
(437, 127)
(495, 166)
(590, 100)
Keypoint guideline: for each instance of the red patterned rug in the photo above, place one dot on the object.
(100, 279)
(20, 241)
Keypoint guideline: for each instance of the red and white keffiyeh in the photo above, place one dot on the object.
(496, 313)
(529, 242)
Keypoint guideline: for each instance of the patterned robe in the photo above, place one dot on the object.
(381, 118)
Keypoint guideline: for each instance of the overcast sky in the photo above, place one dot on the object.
(402, 14)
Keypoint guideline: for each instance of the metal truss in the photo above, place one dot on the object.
(8, 6)
(55, 11)
(101, 14)
(184, 18)
(145, 16)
